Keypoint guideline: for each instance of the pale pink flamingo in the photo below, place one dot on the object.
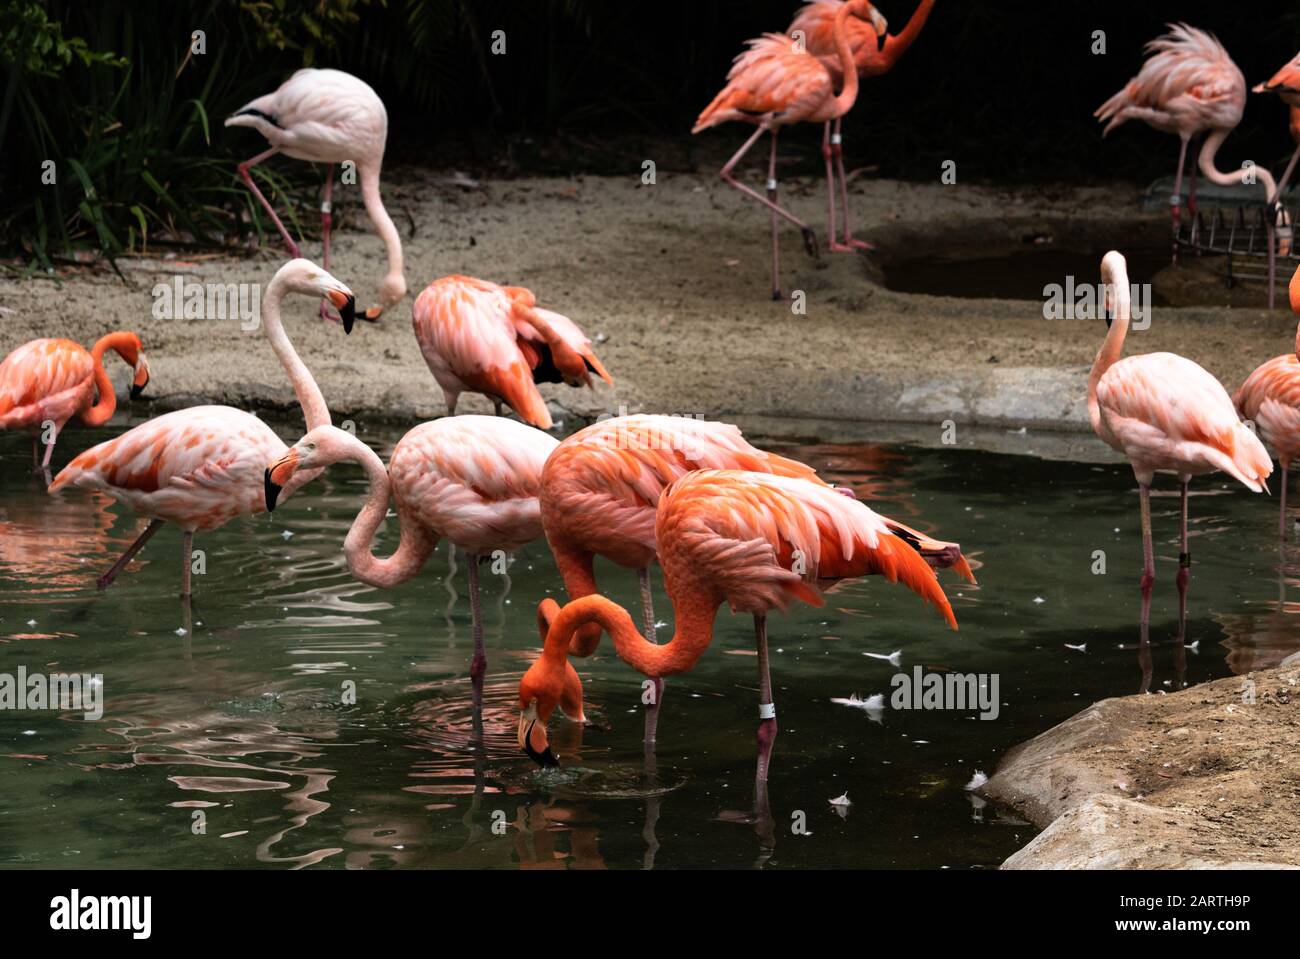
(601, 486)
(1166, 415)
(328, 116)
(777, 82)
(875, 51)
(201, 467)
(1189, 86)
(1286, 84)
(758, 542)
(1270, 398)
(46, 382)
(480, 337)
(472, 480)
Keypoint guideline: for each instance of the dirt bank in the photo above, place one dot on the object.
(674, 276)
(1195, 779)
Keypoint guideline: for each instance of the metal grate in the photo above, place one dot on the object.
(1241, 234)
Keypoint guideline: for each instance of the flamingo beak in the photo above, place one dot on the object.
(141, 376)
(346, 304)
(276, 475)
(532, 738)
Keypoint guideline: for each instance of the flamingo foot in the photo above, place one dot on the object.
(857, 244)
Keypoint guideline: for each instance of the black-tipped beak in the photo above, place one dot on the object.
(348, 313)
(272, 490)
(546, 759)
(137, 389)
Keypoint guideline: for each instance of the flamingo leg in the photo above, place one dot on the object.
(187, 561)
(776, 244)
(766, 708)
(1281, 513)
(809, 235)
(107, 579)
(1148, 554)
(648, 611)
(849, 243)
(1176, 199)
(326, 223)
(1191, 179)
(49, 449)
(478, 665)
(1184, 566)
(247, 177)
(828, 156)
(496, 403)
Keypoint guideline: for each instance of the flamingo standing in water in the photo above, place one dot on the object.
(1166, 415)
(875, 51)
(1189, 86)
(479, 337)
(472, 480)
(328, 116)
(50, 381)
(1270, 398)
(777, 82)
(201, 467)
(601, 486)
(757, 541)
(1286, 84)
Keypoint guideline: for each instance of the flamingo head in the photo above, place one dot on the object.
(131, 350)
(1294, 291)
(551, 681)
(876, 18)
(321, 447)
(305, 277)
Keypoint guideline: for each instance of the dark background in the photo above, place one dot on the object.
(1004, 87)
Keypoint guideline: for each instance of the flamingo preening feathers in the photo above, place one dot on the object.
(330, 117)
(757, 541)
(201, 467)
(480, 337)
(46, 382)
(1166, 414)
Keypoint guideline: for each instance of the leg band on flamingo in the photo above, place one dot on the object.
(767, 710)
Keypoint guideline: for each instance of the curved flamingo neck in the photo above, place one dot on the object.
(896, 44)
(575, 567)
(1212, 173)
(849, 93)
(304, 385)
(415, 544)
(1113, 346)
(693, 634)
(104, 408)
(383, 223)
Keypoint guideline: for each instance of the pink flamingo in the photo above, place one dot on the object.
(777, 82)
(875, 51)
(601, 486)
(49, 381)
(1270, 398)
(1189, 86)
(757, 541)
(479, 337)
(1166, 415)
(328, 116)
(1286, 84)
(201, 467)
(472, 480)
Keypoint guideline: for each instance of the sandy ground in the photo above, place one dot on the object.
(1199, 778)
(674, 277)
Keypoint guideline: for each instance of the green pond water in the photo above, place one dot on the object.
(228, 738)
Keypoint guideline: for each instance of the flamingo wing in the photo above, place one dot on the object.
(774, 78)
(538, 346)
(39, 371)
(815, 22)
(320, 115)
(762, 541)
(1270, 398)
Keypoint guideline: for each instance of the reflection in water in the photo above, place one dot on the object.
(1269, 631)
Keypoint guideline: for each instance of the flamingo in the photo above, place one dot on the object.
(1189, 86)
(777, 82)
(758, 541)
(1286, 84)
(50, 381)
(1270, 398)
(479, 337)
(1166, 414)
(201, 467)
(328, 116)
(875, 51)
(472, 480)
(601, 486)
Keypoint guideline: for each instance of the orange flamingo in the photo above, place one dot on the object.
(49, 381)
(1189, 86)
(201, 467)
(1270, 398)
(479, 337)
(757, 541)
(1166, 415)
(1286, 84)
(600, 488)
(472, 480)
(875, 51)
(777, 82)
